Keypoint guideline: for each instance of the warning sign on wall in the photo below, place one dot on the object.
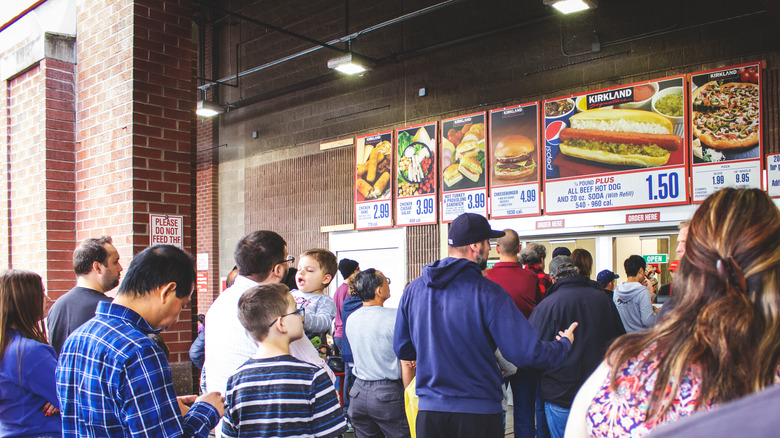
(166, 229)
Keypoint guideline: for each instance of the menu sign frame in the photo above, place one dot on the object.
(416, 175)
(373, 184)
(614, 149)
(463, 158)
(773, 175)
(515, 161)
(726, 129)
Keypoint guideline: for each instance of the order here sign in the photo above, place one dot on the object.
(166, 229)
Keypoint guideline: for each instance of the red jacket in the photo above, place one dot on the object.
(522, 284)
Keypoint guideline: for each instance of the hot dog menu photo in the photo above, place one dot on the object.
(373, 185)
(514, 161)
(726, 129)
(623, 147)
(416, 176)
(463, 156)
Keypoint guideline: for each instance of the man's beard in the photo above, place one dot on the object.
(482, 262)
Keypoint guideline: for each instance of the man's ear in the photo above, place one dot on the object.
(327, 279)
(278, 270)
(97, 267)
(167, 292)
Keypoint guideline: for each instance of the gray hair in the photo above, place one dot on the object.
(533, 254)
(562, 267)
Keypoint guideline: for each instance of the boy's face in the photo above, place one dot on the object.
(293, 323)
(310, 276)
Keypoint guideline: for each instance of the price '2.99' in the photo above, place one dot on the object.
(662, 186)
(381, 210)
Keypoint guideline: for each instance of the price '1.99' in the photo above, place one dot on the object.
(663, 186)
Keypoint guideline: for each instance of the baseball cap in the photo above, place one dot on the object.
(606, 276)
(560, 262)
(674, 265)
(470, 228)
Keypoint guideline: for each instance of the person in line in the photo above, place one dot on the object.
(561, 251)
(351, 304)
(584, 262)
(231, 277)
(28, 396)
(607, 280)
(523, 287)
(97, 268)
(533, 258)
(682, 238)
(348, 269)
(273, 394)
(261, 257)
(379, 374)
(198, 347)
(459, 384)
(316, 269)
(718, 343)
(571, 298)
(634, 297)
(112, 379)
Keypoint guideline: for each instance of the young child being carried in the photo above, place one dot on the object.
(316, 269)
(274, 394)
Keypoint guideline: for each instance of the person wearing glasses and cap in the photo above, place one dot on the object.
(459, 387)
(262, 258)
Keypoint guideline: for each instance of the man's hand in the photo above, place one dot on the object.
(184, 402)
(49, 410)
(568, 333)
(214, 399)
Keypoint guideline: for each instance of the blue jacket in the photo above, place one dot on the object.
(350, 305)
(450, 320)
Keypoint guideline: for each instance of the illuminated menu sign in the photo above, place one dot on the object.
(373, 185)
(463, 156)
(416, 175)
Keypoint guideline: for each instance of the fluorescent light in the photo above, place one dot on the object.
(569, 6)
(208, 109)
(348, 64)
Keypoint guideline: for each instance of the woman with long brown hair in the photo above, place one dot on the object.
(28, 397)
(720, 341)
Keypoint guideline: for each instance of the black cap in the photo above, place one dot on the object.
(561, 251)
(347, 267)
(470, 228)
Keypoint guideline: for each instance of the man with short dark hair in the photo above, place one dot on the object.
(633, 298)
(533, 258)
(261, 257)
(112, 379)
(571, 298)
(97, 268)
(523, 287)
(451, 320)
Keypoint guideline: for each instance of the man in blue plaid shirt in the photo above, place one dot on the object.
(112, 380)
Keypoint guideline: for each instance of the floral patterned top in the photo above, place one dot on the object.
(622, 413)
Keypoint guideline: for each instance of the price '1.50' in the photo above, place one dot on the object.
(663, 186)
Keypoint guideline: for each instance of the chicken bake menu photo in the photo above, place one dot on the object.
(373, 186)
(463, 156)
(623, 147)
(514, 161)
(726, 129)
(416, 177)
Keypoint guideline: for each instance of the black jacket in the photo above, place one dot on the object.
(573, 299)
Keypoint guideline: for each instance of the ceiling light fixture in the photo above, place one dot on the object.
(208, 109)
(349, 64)
(569, 6)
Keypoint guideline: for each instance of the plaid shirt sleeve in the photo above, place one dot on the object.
(150, 408)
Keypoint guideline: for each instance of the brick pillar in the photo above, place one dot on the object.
(135, 126)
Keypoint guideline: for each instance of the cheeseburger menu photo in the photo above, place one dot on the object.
(514, 136)
(623, 128)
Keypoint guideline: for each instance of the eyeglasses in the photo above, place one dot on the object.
(290, 259)
(301, 311)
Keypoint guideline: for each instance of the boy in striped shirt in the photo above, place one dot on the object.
(274, 394)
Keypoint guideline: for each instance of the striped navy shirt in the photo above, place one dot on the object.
(281, 397)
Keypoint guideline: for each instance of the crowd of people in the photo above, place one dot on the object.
(583, 357)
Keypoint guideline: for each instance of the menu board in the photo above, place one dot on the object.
(416, 176)
(373, 186)
(773, 175)
(464, 180)
(514, 161)
(622, 147)
(726, 129)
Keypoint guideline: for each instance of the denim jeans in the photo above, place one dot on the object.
(542, 431)
(523, 385)
(556, 419)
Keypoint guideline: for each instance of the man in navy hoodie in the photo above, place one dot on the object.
(451, 320)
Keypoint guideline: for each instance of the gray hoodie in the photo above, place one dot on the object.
(633, 304)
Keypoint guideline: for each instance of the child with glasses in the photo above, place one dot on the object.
(274, 394)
